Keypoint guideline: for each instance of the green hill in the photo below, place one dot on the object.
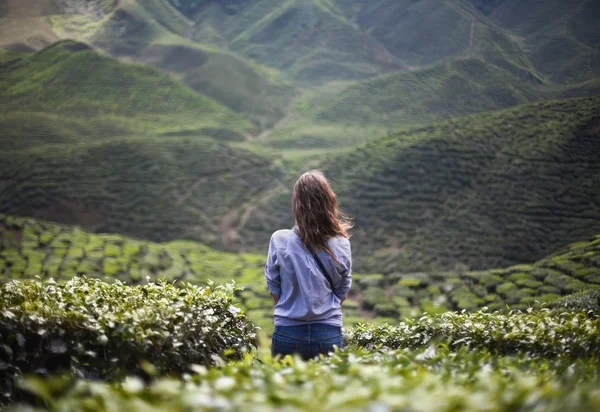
(243, 87)
(159, 188)
(311, 41)
(561, 38)
(154, 33)
(318, 41)
(343, 114)
(449, 89)
(71, 80)
(134, 31)
(423, 32)
(488, 190)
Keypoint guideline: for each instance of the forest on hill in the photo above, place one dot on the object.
(148, 150)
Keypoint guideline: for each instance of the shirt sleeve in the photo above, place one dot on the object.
(272, 270)
(344, 268)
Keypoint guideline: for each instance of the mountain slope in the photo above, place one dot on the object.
(310, 41)
(443, 90)
(154, 32)
(158, 188)
(422, 32)
(68, 92)
(488, 190)
(69, 76)
(562, 37)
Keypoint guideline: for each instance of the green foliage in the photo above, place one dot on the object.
(540, 332)
(30, 248)
(155, 188)
(560, 38)
(101, 330)
(57, 79)
(435, 379)
(447, 89)
(588, 300)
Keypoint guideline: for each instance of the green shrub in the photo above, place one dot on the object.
(372, 296)
(541, 332)
(386, 309)
(588, 300)
(432, 379)
(101, 330)
(409, 282)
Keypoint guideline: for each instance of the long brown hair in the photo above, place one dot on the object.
(315, 209)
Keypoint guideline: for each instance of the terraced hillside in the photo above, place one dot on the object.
(160, 188)
(310, 41)
(316, 41)
(68, 85)
(426, 31)
(154, 33)
(449, 89)
(134, 32)
(575, 269)
(562, 38)
(30, 248)
(488, 190)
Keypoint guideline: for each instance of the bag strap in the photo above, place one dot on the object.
(319, 263)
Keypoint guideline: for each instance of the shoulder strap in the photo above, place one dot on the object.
(319, 263)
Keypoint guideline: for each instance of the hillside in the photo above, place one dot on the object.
(30, 248)
(135, 31)
(70, 80)
(426, 31)
(310, 41)
(488, 190)
(159, 188)
(154, 33)
(562, 38)
(316, 41)
(448, 89)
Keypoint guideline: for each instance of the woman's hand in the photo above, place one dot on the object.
(275, 299)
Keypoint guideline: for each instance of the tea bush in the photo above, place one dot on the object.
(541, 332)
(588, 300)
(426, 380)
(101, 330)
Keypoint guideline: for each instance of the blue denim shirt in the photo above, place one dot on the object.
(305, 295)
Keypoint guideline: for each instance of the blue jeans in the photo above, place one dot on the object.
(306, 340)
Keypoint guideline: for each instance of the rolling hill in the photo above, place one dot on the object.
(152, 187)
(310, 41)
(154, 33)
(484, 191)
(45, 93)
(423, 32)
(562, 38)
(448, 89)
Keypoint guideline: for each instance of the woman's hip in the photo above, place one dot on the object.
(312, 332)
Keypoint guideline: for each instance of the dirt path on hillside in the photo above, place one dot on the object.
(179, 13)
(189, 191)
(229, 230)
(290, 116)
(472, 35)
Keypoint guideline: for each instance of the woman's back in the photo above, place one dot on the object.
(305, 294)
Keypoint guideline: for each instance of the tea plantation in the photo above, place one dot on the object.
(88, 345)
(32, 248)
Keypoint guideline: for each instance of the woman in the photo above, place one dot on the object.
(308, 272)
